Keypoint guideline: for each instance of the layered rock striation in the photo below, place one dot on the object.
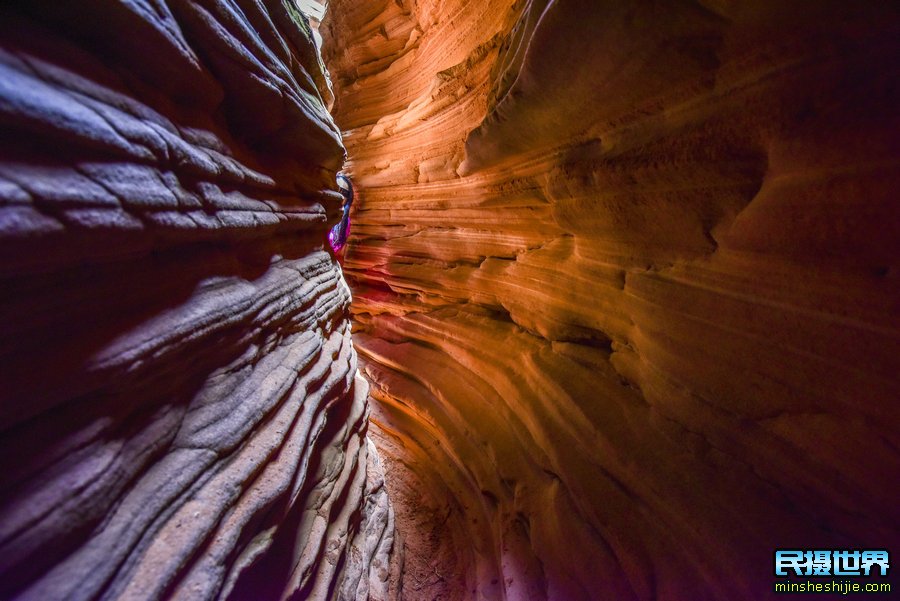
(180, 410)
(625, 286)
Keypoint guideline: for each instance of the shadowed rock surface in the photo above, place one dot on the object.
(180, 410)
(625, 286)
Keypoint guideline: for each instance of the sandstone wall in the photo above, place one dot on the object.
(625, 286)
(180, 415)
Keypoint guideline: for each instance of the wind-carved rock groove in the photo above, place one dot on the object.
(180, 407)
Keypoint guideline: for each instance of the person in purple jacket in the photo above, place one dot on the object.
(337, 237)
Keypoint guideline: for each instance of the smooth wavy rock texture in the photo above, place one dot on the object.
(625, 286)
(180, 407)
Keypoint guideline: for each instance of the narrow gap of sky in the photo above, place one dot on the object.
(315, 10)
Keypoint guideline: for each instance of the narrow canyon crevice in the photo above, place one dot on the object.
(621, 280)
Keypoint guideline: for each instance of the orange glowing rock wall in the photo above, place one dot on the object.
(625, 286)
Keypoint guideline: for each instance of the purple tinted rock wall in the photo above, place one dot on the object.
(180, 414)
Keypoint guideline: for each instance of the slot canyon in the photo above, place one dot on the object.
(618, 315)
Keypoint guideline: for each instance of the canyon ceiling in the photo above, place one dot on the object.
(622, 283)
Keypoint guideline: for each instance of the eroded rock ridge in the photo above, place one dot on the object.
(180, 408)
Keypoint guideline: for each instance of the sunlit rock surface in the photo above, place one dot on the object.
(625, 286)
(180, 411)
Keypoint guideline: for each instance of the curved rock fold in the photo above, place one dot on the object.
(625, 287)
(180, 407)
